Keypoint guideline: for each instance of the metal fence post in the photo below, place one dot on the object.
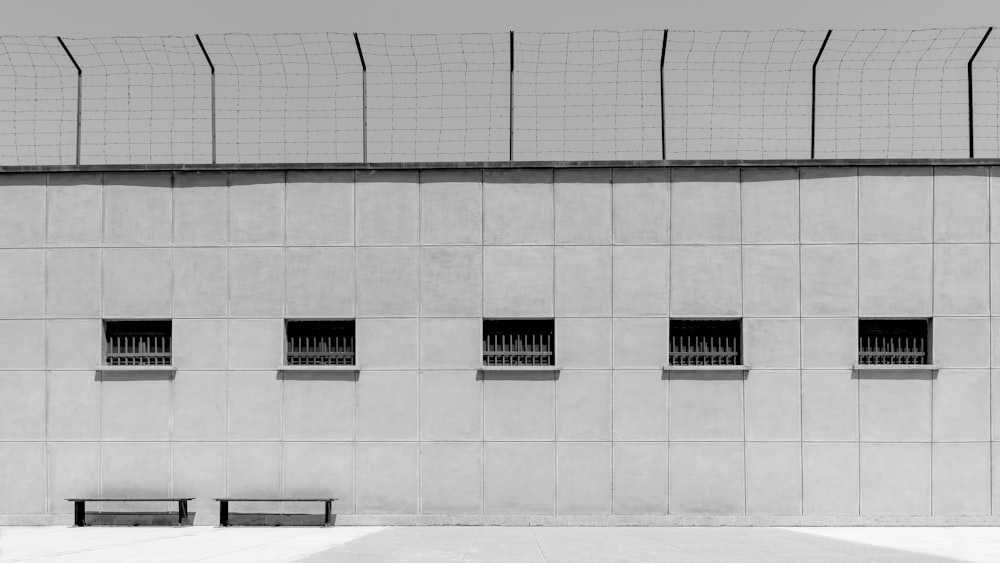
(79, 96)
(663, 116)
(511, 98)
(364, 100)
(972, 133)
(212, 68)
(812, 138)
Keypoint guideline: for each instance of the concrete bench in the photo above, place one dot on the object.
(80, 504)
(224, 506)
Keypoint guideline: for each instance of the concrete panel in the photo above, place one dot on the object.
(22, 284)
(705, 281)
(22, 345)
(22, 405)
(199, 344)
(961, 406)
(254, 405)
(518, 207)
(520, 478)
(199, 399)
(771, 343)
(641, 280)
(705, 205)
(74, 470)
(895, 280)
(995, 276)
(773, 404)
(774, 479)
(22, 212)
(254, 470)
(388, 207)
(451, 207)
(451, 405)
(388, 343)
(73, 410)
(829, 281)
(387, 478)
(75, 212)
(995, 402)
(583, 343)
(519, 405)
(640, 478)
(829, 405)
(829, 201)
(451, 281)
(319, 282)
(961, 204)
(135, 406)
(961, 342)
(770, 205)
(830, 479)
(961, 279)
(584, 478)
(829, 343)
(255, 343)
(135, 469)
(771, 281)
(73, 282)
(583, 405)
(639, 408)
(319, 208)
(256, 282)
(318, 406)
(583, 206)
(319, 470)
(22, 482)
(895, 406)
(451, 478)
(994, 204)
(198, 470)
(451, 343)
(388, 405)
(257, 208)
(996, 479)
(961, 484)
(897, 204)
(895, 479)
(138, 209)
(706, 406)
(641, 206)
(201, 208)
(641, 343)
(518, 282)
(201, 282)
(706, 478)
(137, 282)
(388, 281)
(583, 281)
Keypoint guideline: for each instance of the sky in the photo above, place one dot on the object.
(90, 18)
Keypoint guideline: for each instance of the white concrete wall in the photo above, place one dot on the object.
(419, 258)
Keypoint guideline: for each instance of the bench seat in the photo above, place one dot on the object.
(80, 504)
(224, 505)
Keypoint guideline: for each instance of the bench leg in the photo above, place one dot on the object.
(223, 513)
(79, 513)
(326, 513)
(182, 512)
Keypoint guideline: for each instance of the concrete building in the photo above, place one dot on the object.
(419, 255)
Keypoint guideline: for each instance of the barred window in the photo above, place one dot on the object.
(894, 341)
(706, 342)
(319, 343)
(519, 342)
(137, 343)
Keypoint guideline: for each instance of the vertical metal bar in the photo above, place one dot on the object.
(663, 116)
(812, 141)
(364, 100)
(511, 100)
(211, 67)
(79, 95)
(972, 134)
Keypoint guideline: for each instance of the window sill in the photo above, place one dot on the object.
(319, 368)
(520, 368)
(739, 367)
(136, 368)
(896, 367)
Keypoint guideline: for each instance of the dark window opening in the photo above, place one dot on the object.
(137, 343)
(319, 343)
(706, 342)
(519, 342)
(894, 341)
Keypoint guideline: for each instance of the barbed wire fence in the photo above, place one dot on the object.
(594, 95)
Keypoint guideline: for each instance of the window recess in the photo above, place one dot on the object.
(519, 344)
(319, 344)
(706, 344)
(132, 344)
(894, 343)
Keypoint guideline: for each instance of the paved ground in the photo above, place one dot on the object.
(363, 544)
